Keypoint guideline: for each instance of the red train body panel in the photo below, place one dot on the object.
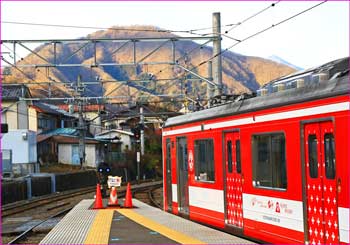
(274, 169)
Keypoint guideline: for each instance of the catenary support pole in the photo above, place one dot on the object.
(217, 62)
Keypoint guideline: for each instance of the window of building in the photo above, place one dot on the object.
(329, 155)
(204, 160)
(269, 161)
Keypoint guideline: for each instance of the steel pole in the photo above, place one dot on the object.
(217, 61)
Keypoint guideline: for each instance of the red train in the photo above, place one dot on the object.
(274, 168)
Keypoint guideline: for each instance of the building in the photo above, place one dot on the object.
(121, 139)
(15, 111)
(126, 118)
(92, 115)
(62, 146)
(20, 141)
(50, 117)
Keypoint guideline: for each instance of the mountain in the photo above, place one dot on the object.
(240, 73)
(279, 60)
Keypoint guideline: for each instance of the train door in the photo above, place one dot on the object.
(169, 194)
(182, 170)
(233, 181)
(321, 187)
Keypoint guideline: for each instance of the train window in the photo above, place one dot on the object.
(312, 147)
(269, 161)
(329, 155)
(238, 157)
(168, 155)
(204, 160)
(229, 156)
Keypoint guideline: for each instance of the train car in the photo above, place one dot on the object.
(273, 168)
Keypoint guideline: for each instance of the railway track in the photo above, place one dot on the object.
(152, 196)
(28, 222)
(21, 206)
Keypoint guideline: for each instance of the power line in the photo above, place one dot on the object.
(106, 28)
(253, 35)
(83, 27)
(191, 31)
(252, 16)
(233, 26)
(260, 32)
(209, 28)
(38, 70)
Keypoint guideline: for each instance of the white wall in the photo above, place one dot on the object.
(33, 119)
(126, 141)
(65, 153)
(23, 150)
(90, 159)
(10, 116)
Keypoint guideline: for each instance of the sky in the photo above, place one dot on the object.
(310, 39)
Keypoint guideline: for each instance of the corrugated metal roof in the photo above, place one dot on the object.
(14, 92)
(62, 131)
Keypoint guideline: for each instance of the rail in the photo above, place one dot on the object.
(30, 229)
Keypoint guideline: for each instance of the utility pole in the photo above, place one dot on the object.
(81, 127)
(217, 62)
(210, 87)
(141, 146)
(142, 132)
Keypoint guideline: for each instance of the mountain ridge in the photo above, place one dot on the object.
(240, 73)
(283, 61)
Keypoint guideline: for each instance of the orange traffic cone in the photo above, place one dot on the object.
(98, 199)
(113, 198)
(128, 197)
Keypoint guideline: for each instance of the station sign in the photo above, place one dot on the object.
(114, 181)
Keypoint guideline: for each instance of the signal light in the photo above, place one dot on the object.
(136, 132)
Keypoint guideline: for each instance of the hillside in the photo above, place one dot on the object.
(240, 73)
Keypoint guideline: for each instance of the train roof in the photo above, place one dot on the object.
(325, 89)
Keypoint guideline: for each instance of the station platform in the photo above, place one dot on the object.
(140, 225)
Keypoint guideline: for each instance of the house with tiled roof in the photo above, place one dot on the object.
(15, 111)
(62, 145)
(50, 117)
(19, 144)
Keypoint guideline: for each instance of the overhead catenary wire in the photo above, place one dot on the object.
(256, 34)
(253, 35)
(191, 31)
(259, 32)
(82, 27)
(151, 30)
(227, 36)
(252, 16)
(38, 70)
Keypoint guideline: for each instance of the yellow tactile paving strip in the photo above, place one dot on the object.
(165, 231)
(100, 228)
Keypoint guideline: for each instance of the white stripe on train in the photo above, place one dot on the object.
(255, 207)
(336, 107)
